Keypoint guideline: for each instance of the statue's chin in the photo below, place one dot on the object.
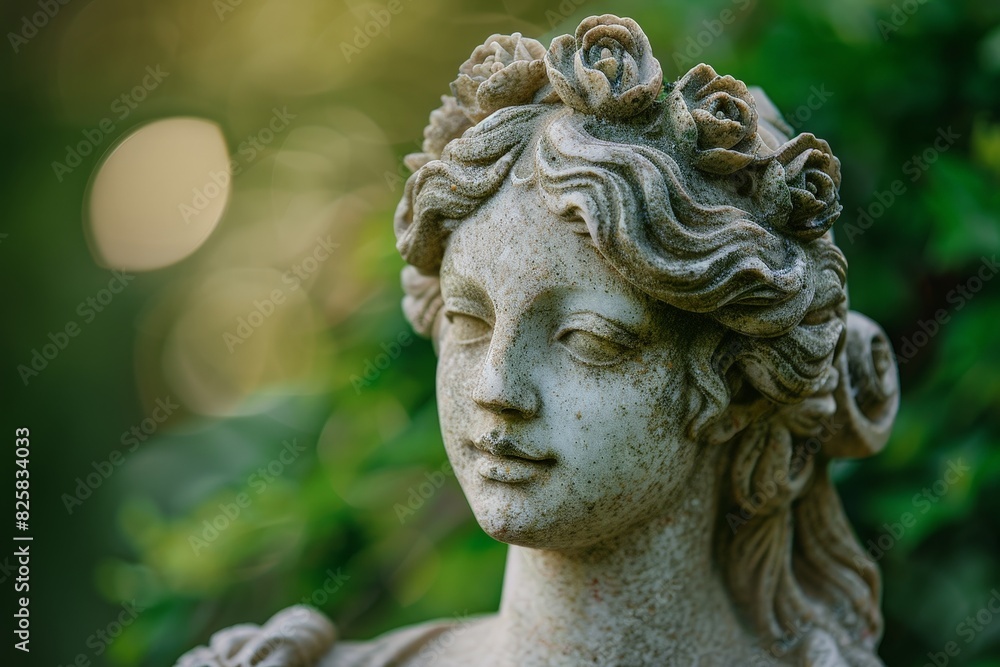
(519, 530)
(537, 539)
(537, 530)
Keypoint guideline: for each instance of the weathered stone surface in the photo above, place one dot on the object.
(295, 637)
(646, 365)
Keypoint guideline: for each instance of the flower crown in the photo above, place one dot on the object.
(607, 70)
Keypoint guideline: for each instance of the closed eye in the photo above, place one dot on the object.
(467, 329)
(591, 348)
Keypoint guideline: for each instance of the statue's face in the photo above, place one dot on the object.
(559, 384)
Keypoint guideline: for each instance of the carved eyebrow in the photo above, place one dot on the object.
(456, 286)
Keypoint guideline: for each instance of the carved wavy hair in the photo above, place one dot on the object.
(799, 379)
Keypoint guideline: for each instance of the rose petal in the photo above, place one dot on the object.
(414, 161)
(728, 85)
(682, 129)
(593, 84)
(721, 161)
(608, 67)
(520, 48)
(630, 73)
(812, 228)
(559, 59)
(767, 134)
(803, 143)
(773, 194)
(635, 99)
(804, 204)
(717, 132)
(825, 189)
(610, 33)
(447, 122)
(480, 54)
(587, 24)
(464, 89)
(695, 79)
(534, 49)
(501, 54)
(733, 107)
(513, 85)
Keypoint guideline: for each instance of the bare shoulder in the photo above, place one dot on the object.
(439, 643)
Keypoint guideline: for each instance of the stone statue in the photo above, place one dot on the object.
(646, 364)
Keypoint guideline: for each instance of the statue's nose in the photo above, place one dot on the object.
(505, 384)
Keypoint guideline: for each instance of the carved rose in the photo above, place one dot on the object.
(813, 177)
(506, 70)
(726, 118)
(607, 69)
(447, 122)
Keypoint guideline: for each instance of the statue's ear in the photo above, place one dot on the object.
(867, 393)
(422, 303)
(438, 330)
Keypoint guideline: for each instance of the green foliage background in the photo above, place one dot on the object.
(894, 75)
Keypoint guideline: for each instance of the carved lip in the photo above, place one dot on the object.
(504, 447)
(503, 460)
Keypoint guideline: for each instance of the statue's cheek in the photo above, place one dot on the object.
(457, 370)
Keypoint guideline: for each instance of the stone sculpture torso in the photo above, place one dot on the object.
(645, 365)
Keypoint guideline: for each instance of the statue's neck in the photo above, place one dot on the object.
(647, 597)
